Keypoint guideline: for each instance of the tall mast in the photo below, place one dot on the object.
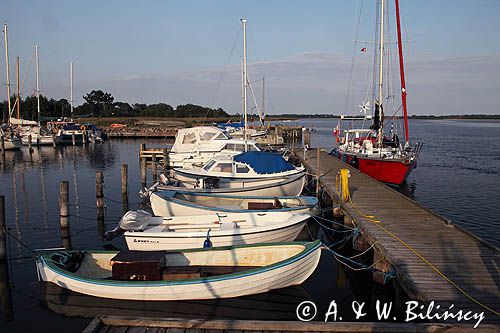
(71, 86)
(7, 68)
(263, 100)
(402, 73)
(245, 81)
(381, 74)
(18, 89)
(37, 83)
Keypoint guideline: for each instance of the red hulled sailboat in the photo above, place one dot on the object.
(382, 157)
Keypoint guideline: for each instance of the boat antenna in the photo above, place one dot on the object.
(7, 71)
(245, 82)
(18, 89)
(402, 72)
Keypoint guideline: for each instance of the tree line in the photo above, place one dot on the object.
(102, 104)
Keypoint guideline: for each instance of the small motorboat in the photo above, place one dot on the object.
(289, 186)
(209, 273)
(191, 232)
(180, 203)
(252, 168)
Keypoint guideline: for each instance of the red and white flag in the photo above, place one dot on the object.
(363, 49)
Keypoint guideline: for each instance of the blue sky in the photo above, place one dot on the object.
(175, 51)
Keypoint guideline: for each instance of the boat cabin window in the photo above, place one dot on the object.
(223, 136)
(223, 167)
(242, 168)
(240, 147)
(207, 136)
(189, 138)
(209, 165)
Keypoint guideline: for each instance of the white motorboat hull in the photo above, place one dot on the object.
(12, 144)
(264, 228)
(289, 186)
(278, 274)
(165, 206)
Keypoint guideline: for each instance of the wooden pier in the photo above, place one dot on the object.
(434, 259)
(113, 324)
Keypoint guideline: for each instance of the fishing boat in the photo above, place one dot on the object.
(286, 187)
(178, 203)
(247, 169)
(190, 232)
(381, 156)
(208, 273)
(197, 145)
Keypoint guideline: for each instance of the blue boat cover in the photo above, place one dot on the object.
(264, 162)
(226, 125)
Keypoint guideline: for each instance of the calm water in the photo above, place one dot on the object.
(457, 176)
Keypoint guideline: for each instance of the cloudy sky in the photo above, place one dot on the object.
(180, 52)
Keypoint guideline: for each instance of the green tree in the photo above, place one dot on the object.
(99, 103)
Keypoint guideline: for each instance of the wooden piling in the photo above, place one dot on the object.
(165, 159)
(84, 138)
(144, 171)
(53, 141)
(318, 185)
(73, 138)
(64, 214)
(99, 189)
(5, 295)
(155, 168)
(30, 143)
(124, 173)
(3, 230)
(380, 264)
(143, 147)
(307, 138)
(2, 144)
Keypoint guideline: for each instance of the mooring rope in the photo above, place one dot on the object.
(344, 186)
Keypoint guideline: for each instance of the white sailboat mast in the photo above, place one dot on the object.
(37, 83)
(71, 86)
(245, 81)
(263, 101)
(7, 71)
(380, 74)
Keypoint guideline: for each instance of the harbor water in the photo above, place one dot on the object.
(457, 176)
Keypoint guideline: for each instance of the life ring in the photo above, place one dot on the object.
(83, 127)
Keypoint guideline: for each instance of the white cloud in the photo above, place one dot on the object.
(316, 82)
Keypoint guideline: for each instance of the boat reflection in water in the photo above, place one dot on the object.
(274, 305)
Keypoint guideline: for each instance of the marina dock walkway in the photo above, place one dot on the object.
(405, 226)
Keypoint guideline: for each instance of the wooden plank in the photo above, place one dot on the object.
(93, 326)
(218, 326)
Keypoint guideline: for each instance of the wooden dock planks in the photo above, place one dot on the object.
(111, 324)
(466, 260)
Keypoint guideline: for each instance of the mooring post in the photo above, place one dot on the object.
(144, 171)
(155, 168)
(124, 188)
(73, 138)
(54, 141)
(84, 137)
(99, 194)
(165, 160)
(3, 230)
(381, 265)
(29, 143)
(64, 214)
(307, 137)
(2, 144)
(5, 295)
(318, 151)
(143, 148)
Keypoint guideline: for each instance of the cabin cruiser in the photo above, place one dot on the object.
(245, 170)
(67, 129)
(197, 145)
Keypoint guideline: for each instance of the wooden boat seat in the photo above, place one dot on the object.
(174, 273)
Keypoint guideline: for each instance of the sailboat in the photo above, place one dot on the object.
(9, 138)
(370, 150)
(40, 136)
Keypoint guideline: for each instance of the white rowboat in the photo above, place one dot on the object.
(270, 266)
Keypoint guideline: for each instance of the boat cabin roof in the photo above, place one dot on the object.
(257, 162)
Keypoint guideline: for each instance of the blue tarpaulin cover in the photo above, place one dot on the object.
(264, 162)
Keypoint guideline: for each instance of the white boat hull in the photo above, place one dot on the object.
(167, 207)
(267, 231)
(12, 144)
(285, 273)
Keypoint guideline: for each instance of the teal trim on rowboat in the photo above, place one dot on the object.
(309, 247)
